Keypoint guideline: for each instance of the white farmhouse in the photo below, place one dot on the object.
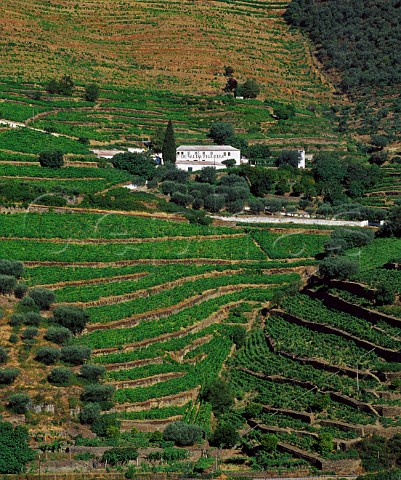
(193, 158)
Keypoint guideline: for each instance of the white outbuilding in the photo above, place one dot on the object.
(193, 158)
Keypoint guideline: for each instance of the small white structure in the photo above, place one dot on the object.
(108, 154)
(193, 158)
(136, 150)
(301, 158)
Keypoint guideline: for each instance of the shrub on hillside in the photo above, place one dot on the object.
(43, 297)
(73, 318)
(16, 319)
(20, 290)
(60, 376)
(11, 267)
(32, 318)
(221, 132)
(47, 355)
(182, 199)
(75, 354)
(51, 159)
(89, 413)
(8, 375)
(27, 304)
(339, 267)
(119, 456)
(225, 436)
(7, 283)
(97, 393)
(59, 335)
(19, 403)
(182, 434)
(3, 355)
(91, 92)
(92, 372)
(218, 393)
(30, 333)
(106, 425)
(214, 203)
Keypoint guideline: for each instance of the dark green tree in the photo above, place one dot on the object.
(92, 372)
(66, 85)
(97, 393)
(92, 92)
(221, 132)
(157, 139)
(169, 148)
(47, 355)
(15, 452)
(139, 164)
(52, 87)
(339, 267)
(207, 175)
(71, 317)
(225, 436)
(20, 290)
(75, 354)
(60, 376)
(7, 283)
(230, 162)
(392, 226)
(182, 434)
(11, 267)
(218, 393)
(3, 355)
(89, 413)
(43, 297)
(288, 158)
(282, 111)
(51, 159)
(19, 403)
(8, 375)
(107, 425)
(249, 89)
(214, 202)
(59, 335)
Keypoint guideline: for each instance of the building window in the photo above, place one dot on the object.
(228, 154)
(189, 169)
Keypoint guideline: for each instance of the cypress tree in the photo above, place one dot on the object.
(169, 146)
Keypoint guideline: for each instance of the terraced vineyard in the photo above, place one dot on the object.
(159, 299)
(203, 35)
(138, 43)
(315, 369)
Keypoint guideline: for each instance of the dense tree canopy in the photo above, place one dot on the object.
(221, 132)
(182, 434)
(358, 38)
(51, 159)
(139, 164)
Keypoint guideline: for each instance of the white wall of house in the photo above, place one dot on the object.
(301, 161)
(193, 158)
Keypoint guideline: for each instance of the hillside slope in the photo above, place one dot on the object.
(180, 46)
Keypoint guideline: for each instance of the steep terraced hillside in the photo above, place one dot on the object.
(179, 46)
